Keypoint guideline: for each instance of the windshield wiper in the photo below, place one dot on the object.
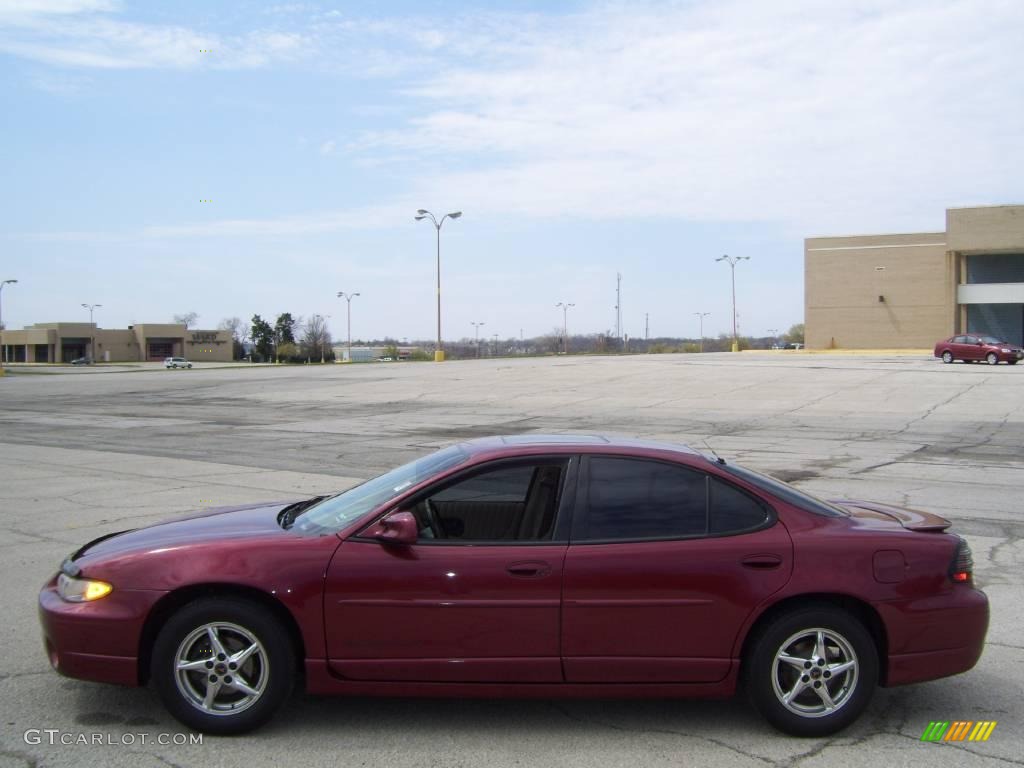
(286, 517)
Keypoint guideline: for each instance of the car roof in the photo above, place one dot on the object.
(570, 443)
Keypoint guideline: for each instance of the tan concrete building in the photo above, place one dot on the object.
(64, 342)
(911, 290)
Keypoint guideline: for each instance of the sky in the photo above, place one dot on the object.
(240, 157)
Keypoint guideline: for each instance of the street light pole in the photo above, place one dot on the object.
(3, 352)
(421, 214)
(702, 315)
(476, 333)
(774, 332)
(348, 298)
(733, 261)
(565, 325)
(92, 338)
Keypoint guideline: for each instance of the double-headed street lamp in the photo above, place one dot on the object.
(732, 261)
(92, 339)
(3, 352)
(421, 214)
(476, 333)
(565, 325)
(348, 298)
(702, 315)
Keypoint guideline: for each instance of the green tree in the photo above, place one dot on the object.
(795, 334)
(285, 328)
(262, 336)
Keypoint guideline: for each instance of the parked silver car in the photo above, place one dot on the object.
(176, 362)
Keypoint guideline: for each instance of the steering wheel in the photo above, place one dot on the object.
(430, 512)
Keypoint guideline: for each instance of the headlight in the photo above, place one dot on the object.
(1006, 351)
(81, 590)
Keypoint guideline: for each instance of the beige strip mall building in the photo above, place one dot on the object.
(64, 342)
(911, 290)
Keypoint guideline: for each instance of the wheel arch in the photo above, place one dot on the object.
(173, 601)
(858, 608)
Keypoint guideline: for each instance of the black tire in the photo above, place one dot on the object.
(992, 359)
(269, 671)
(846, 639)
(1012, 362)
(947, 357)
(190, 365)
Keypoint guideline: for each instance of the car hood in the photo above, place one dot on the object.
(251, 520)
(874, 515)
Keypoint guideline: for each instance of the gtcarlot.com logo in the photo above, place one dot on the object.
(56, 737)
(958, 730)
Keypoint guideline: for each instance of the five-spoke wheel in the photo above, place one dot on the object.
(811, 671)
(222, 665)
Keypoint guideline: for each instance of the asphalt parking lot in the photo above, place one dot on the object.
(82, 455)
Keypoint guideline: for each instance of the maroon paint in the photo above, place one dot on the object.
(665, 618)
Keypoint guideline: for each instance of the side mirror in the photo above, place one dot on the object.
(398, 528)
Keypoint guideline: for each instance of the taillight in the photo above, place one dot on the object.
(962, 567)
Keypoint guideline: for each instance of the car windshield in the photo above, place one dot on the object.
(335, 512)
(990, 340)
(785, 492)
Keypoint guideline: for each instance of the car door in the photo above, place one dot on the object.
(970, 349)
(477, 598)
(664, 565)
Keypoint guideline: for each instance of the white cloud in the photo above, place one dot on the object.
(798, 111)
(327, 147)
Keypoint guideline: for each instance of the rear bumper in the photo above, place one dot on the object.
(934, 637)
(98, 640)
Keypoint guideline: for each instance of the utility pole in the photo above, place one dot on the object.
(565, 325)
(732, 261)
(647, 326)
(3, 348)
(476, 331)
(702, 315)
(618, 306)
(348, 298)
(92, 338)
(422, 214)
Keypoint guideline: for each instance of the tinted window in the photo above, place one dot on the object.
(959, 339)
(732, 510)
(638, 499)
(508, 484)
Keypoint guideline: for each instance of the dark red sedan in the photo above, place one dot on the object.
(527, 566)
(973, 348)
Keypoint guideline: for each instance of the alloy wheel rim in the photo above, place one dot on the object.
(221, 668)
(815, 672)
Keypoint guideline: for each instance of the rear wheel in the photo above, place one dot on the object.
(1012, 362)
(947, 357)
(991, 358)
(811, 672)
(223, 666)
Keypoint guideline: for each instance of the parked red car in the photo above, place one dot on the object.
(527, 566)
(971, 348)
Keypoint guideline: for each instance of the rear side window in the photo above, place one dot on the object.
(638, 499)
(732, 510)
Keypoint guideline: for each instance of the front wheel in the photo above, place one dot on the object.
(811, 672)
(223, 666)
(991, 358)
(947, 357)
(190, 365)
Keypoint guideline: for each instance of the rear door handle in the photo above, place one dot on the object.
(761, 562)
(529, 569)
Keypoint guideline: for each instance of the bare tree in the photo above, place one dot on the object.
(316, 338)
(238, 329)
(188, 319)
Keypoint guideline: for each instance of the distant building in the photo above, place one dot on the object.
(911, 290)
(64, 342)
(370, 354)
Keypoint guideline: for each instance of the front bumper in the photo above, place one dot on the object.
(934, 637)
(97, 640)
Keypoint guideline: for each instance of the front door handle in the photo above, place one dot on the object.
(761, 562)
(529, 569)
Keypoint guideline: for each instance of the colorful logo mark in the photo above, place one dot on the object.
(958, 730)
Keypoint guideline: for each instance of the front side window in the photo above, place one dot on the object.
(628, 499)
(508, 503)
